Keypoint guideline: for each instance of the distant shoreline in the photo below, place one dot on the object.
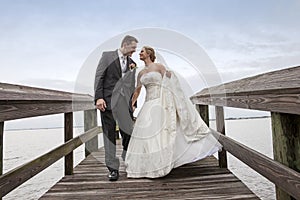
(238, 118)
(58, 127)
(38, 128)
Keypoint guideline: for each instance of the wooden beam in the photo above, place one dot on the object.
(18, 101)
(204, 113)
(11, 110)
(286, 144)
(282, 176)
(220, 122)
(1, 146)
(269, 101)
(19, 175)
(276, 91)
(11, 92)
(68, 136)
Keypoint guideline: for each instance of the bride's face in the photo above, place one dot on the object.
(143, 54)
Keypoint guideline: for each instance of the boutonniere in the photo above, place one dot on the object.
(132, 66)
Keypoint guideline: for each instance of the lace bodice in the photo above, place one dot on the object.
(152, 83)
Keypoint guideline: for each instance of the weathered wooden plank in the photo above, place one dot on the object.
(149, 196)
(199, 180)
(162, 190)
(275, 91)
(276, 80)
(282, 176)
(284, 103)
(19, 175)
(10, 110)
(17, 101)
(11, 92)
(142, 187)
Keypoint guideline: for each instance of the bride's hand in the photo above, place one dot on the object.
(168, 74)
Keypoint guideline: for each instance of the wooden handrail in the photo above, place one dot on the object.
(17, 101)
(279, 93)
(276, 91)
(279, 174)
(19, 175)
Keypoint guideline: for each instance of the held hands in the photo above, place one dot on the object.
(101, 104)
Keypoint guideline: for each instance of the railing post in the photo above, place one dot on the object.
(90, 121)
(204, 113)
(68, 136)
(1, 147)
(220, 122)
(286, 143)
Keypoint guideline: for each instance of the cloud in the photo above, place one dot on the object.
(45, 45)
(240, 54)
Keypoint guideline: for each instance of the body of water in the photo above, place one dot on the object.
(21, 146)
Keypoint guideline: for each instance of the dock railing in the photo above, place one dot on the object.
(279, 93)
(17, 101)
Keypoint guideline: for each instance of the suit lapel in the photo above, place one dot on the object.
(117, 63)
(129, 61)
(127, 64)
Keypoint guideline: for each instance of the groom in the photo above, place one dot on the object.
(114, 85)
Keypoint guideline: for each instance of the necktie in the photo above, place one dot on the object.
(123, 61)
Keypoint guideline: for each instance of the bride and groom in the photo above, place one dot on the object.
(168, 131)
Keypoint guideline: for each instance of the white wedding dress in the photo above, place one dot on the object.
(168, 132)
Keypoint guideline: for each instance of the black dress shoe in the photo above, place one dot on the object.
(113, 175)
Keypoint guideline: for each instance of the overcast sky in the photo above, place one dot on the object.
(44, 43)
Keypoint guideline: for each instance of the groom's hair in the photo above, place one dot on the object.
(128, 39)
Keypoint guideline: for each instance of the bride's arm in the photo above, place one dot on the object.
(164, 71)
(137, 90)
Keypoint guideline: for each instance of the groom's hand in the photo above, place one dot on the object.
(100, 104)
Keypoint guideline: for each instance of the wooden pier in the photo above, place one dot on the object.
(276, 92)
(200, 180)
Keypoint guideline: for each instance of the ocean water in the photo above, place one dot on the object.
(21, 146)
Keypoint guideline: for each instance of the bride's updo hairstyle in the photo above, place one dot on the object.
(151, 52)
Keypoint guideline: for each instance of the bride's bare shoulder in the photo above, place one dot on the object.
(163, 70)
(143, 71)
(159, 65)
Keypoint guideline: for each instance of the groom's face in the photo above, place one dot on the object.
(130, 48)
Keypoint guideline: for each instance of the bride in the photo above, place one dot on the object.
(168, 131)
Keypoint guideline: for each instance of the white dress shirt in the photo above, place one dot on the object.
(123, 61)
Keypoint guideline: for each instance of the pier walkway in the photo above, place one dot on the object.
(200, 180)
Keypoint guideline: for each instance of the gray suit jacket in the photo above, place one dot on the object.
(109, 81)
(121, 101)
